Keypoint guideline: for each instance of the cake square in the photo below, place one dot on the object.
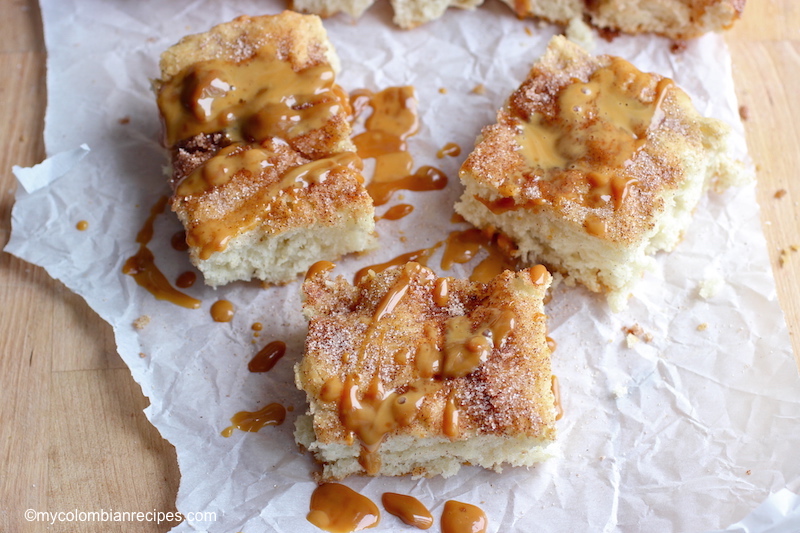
(594, 166)
(410, 373)
(264, 174)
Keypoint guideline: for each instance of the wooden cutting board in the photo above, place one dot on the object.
(72, 432)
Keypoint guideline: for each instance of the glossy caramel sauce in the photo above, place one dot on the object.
(178, 241)
(143, 268)
(462, 245)
(267, 357)
(551, 344)
(270, 415)
(449, 149)
(450, 417)
(318, 267)
(408, 509)
(249, 100)
(396, 212)
(82, 225)
(222, 311)
(214, 234)
(339, 509)
(598, 128)
(257, 326)
(186, 279)
(458, 517)
(557, 398)
(393, 119)
(417, 256)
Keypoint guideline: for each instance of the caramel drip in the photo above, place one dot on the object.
(450, 417)
(394, 118)
(551, 344)
(396, 212)
(408, 509)
(595, 225)
(222, 311)
(599, 127)
(417, 256)
(462, 246)
(554, 385)
(82, 225)
(331, 390)
(257, 326)
(401, 356)
(441, 292)
(267, 357)
(260, 97)
(458, 517)
(214, 234)
(186, 279)
(539, 274)
(178, 241)
(339, 509)
(449, 149)
(318, 268)
(465, 348)
(270, 415)
(143, 268)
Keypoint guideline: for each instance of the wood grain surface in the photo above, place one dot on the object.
(72, 431)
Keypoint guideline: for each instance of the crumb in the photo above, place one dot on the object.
(631, 340)
(749, 472)
(711, 285)
(142, 355)
(780, 193)
(619, 391)
(442, 90)
(125, 120)
(744, 112)
(607, 34)
(141, 322)
(702, 327)
(528, 30)
(479, 89)
(784, 253)
(580, 33)
(637, 332)
(678, 46)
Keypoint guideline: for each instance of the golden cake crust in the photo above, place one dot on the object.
(661, 152)
(378, 335)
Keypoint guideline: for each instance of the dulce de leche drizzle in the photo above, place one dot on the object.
(458, 517)
(557, 398)
(595, 132)
(260, 97)
(394, 118)
(143, 268)
(222, 311)
(267, 357)
(369, 412)
(408, 509)
(270, 415)
(214, 234)
(339, 509)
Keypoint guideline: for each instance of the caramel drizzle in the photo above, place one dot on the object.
(143, 268)
(266, 359)
(394, 118)
(554, 385)
(459, 517)
(396, 212)
(222, 311)
(408, 509)
(339, 509)
(260, 97)
(449, 149)
(597, 130)
(252, 421)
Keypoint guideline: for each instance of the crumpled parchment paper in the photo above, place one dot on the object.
(687, 432)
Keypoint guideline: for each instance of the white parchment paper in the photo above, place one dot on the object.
(690, 431)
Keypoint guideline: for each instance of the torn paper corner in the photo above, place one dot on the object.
(41, 175)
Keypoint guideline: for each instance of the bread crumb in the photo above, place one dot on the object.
(142, 355)
(637, 333)
(678, 46)
(744, 112)
(125, 120)
(479, 89)
(528, 31)
(780, 193)
(442, 90)
(702, 327)
(711, 285)
(580, 33)
(631, 340)
(141, 322)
